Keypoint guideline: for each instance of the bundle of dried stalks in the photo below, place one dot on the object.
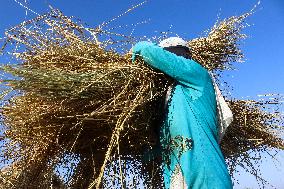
(76, 97)
(257, 128)
(220, 48)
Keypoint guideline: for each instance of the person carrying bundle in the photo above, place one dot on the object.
(190, 133)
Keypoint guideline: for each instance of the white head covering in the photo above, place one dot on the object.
(173, 41)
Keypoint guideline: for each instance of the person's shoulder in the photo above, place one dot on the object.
(198, 66)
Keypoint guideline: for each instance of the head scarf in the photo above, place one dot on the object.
(173, 42)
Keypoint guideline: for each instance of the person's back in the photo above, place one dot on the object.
(189, 136)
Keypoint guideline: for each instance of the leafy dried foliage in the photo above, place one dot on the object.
(75, 94)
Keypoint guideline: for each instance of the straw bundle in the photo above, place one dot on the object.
(220, 48)
(76, 97)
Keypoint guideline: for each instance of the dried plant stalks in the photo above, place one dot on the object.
(74, 94)
(220, 48)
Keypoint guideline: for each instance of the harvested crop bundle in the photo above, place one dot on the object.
(220, 48)
(77, 95)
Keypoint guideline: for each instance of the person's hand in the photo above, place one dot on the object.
(129, 54)
(130, 51)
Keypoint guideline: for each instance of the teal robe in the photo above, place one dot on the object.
(189, 134)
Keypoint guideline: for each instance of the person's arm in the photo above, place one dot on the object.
(185, 71)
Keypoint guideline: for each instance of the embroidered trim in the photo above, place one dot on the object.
(181, 144)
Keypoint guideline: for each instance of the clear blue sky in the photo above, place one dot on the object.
(263, 71)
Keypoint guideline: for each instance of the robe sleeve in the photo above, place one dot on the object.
(187, 72)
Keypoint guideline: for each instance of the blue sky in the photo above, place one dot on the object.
(263, 71)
